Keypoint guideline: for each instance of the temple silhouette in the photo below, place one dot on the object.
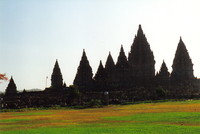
(131, 78)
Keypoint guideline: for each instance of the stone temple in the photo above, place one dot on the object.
(131, 78)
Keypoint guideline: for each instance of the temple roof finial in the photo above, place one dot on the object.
(181, 39)
(84, 54)
(101, 62)
(140, 26)
(163, 61)
(140, 31)
(122, 49)
(56, 62)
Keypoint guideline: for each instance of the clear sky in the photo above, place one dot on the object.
(34, 33)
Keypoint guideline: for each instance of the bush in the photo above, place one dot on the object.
(74, 96)
(160, 92)
(94, 103)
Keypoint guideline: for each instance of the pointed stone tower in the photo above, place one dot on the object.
(163, 76)
(122, 61)
(109, 71)
(84, 74)
(56, 77)
(182, 64)
(11, 90)
(141, 60)
(122, 70)
(100, 78)
(164, 70)
(100, 73)
(110, 65)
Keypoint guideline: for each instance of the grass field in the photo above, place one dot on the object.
(182, 117)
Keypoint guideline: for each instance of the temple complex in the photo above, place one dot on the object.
(131, 78)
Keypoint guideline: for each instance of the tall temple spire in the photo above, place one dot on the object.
(141, 59)
(122, 70)
(182, 64)
(109, 62)
(84, 74)
(164, 68)
(100, 77)
(122, 60)
(100, 71)
(11, 88)
(109, 72)
(163, 75)
(56, 77)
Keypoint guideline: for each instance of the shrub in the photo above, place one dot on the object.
(160, 92)
(94, 103)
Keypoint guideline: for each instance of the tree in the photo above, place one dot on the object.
(74, 95)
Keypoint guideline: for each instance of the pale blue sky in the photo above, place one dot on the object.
(34, 33)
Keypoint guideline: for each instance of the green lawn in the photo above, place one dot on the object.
(152, 118)
(190, 118)
(103, 129)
